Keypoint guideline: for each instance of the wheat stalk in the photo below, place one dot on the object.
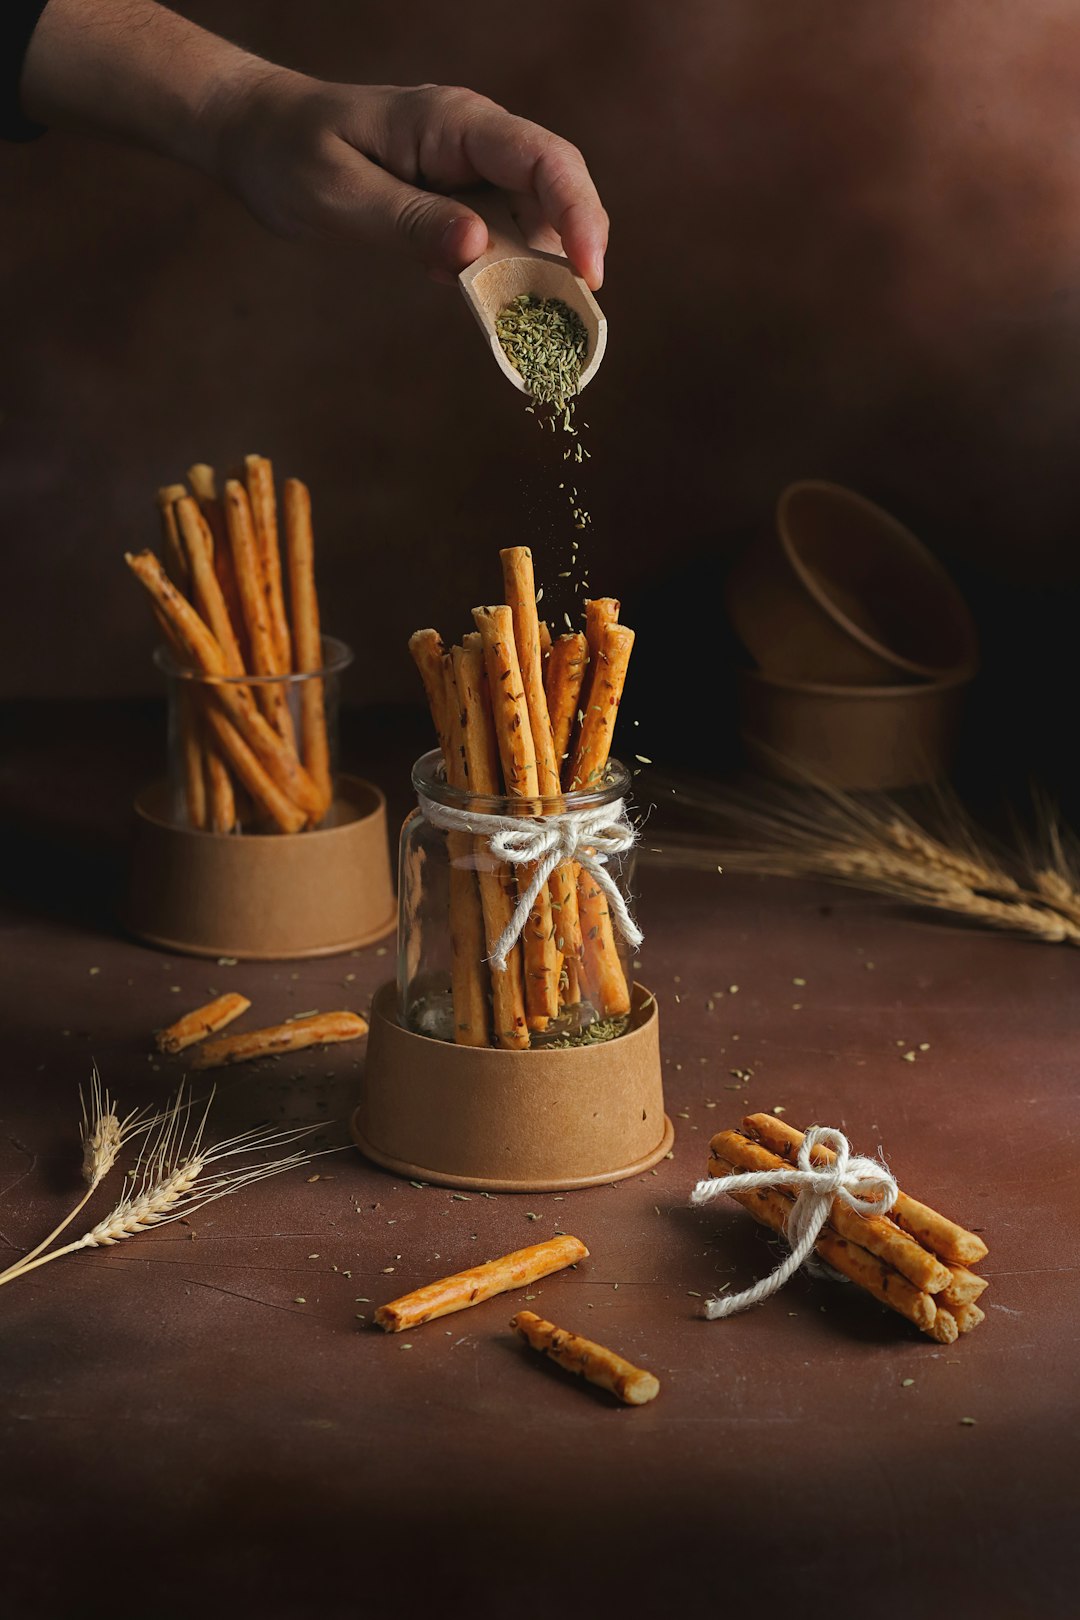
(872, 843)
(175, 1174)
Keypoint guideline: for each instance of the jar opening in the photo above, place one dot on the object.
(429, 778)
(336, 657)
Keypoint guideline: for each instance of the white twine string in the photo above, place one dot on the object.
(588, 837)
(864, 1185)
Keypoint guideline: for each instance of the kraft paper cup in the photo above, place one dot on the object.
(543, 1120)
(862, 739)
(262, 897)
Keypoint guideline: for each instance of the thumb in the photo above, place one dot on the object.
(442, 233)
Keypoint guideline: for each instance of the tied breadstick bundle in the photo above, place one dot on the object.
(851, 1212)
(251, 736)
(524, 812)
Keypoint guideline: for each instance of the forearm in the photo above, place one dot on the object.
(133, 70)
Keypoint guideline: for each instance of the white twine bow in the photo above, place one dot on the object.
(864, 1185)
(588, 837)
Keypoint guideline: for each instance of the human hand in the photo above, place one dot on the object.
(319, 160)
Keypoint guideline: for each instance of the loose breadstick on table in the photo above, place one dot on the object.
(496, 892)
(471, 1287)
(248, 564)
(221, 814)
(966, 1315)
(563, 682)
(871, 1232)
(307, 635)
(260, 487)
(951, 1243)
(772, 1208)
(265, 793)
(319, 1029)
(593, 746)
(468, 975)
(964, 1288)
(201, 648)
(520, 586)
(195, 1026)
(513, 731)
(206, 589)
(593, 1362)
(175, 561)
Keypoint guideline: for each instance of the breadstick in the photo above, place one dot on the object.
(303, 597)
(520, 586)
(195, 1026)
(201, 647)
(871, 1232)
(251, 773)
(593, 1362)
(593, 746)
(471, 1287)
(427, 652)
(771, 1208)
(222, 815)
(496, 894)
(603, 971)
(260, 488)
(203, 481)
(517, 752)
(247, 562)
(565, 675)
(964, 1288)
(600, 611)
(206, 590)
(468, 974)
(545, 642)
(320, 1029)
(951, 1243)
(175, 561)
(966, 1315)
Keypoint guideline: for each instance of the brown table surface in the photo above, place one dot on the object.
(199, 1420)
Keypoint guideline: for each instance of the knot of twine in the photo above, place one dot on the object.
(864, 1185)
(587, 837)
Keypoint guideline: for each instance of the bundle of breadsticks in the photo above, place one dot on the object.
(521, 715)
(219, 600)
(913, 1259)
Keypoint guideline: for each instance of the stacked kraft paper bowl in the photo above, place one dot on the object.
(863, 647)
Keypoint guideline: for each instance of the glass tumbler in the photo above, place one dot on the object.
(567, 980)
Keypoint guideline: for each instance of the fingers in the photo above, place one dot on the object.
(519, 156)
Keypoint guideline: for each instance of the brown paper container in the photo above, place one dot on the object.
(537, 1121)
(263, 897)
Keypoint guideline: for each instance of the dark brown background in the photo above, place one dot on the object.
(845, 243)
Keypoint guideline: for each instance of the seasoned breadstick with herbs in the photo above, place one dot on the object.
(471, 1287)
(564, 679)
(318, 1029)
(593, 1362)
(307, 635)
(272, 696)
(259, 474)
(204, 1021)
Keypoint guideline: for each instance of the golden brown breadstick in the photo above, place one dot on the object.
(468, 975)
(966, 1315)
(588, 1360)
(964, 1288)
(221, 816)
(471, 1287)
(564, 933)
(565, 676)
(307, 635)
(427, 652)
(601, 967)
(260, 487)
(517, 752)
(874, 1233)
(951, 1243)
(195, 1026)
(496, 891)
(772, 1208)
(600, 611)
(545, 642)
(175, 561)
(201, 648)
(318, 1029)
(206, 592)
(590, 753)
(272, 695)
(203, 481)
(251, 773)
(194, 758)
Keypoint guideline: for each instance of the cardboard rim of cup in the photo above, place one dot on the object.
(548, 1119)
(262, 898)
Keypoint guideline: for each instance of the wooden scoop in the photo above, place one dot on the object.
(510, 267)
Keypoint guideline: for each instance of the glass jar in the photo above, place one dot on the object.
(566, 982)
(253, 753)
